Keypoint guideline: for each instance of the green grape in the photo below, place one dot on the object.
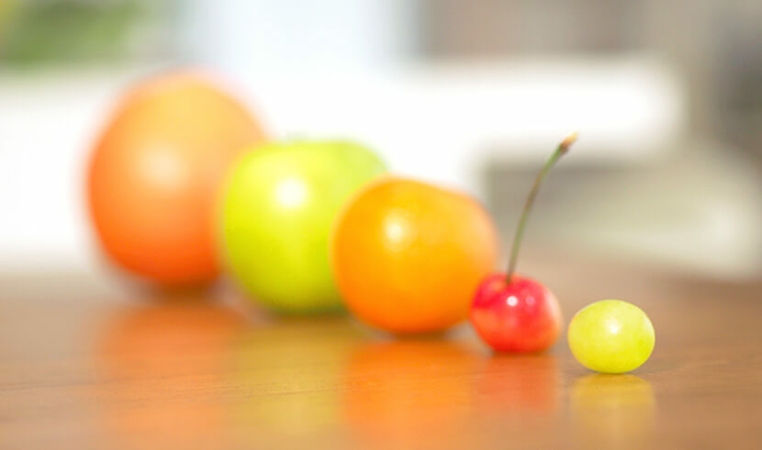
(611, 336)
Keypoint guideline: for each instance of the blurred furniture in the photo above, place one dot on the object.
(469, 94)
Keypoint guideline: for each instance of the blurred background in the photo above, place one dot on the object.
(666, 95)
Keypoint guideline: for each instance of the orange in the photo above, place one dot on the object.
(155, 173)
(408, 256)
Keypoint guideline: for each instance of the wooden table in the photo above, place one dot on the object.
(83, 366)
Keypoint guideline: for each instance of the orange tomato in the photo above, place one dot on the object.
(155, 172)
(408, 256)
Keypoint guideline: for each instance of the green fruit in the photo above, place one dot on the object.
(611, 336)
(278, 209)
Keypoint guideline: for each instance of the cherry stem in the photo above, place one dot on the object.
(563, 147)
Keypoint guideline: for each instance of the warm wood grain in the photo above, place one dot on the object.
(83, 366)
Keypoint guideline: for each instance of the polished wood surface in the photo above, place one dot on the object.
(90, 363)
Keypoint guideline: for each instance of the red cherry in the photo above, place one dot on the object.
(520, 316)
(512, 313)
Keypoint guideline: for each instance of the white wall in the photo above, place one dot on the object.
(47, 124)
(303, 36)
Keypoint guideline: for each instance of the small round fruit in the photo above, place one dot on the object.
(520, 316)
(611, 336)
(154, 175)
(512, 313)
(408, 256)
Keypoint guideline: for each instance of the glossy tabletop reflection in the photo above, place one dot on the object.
(86, 367)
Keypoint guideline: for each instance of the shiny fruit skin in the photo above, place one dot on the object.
(155, 173)
(279, 206)
(408, 256)
(611, 336)
(521, 316)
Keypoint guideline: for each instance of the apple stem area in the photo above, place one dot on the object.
(561, 150)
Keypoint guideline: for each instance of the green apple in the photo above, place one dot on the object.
(278, 209)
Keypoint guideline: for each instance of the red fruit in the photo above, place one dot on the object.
(512, 313)
(520, 316)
